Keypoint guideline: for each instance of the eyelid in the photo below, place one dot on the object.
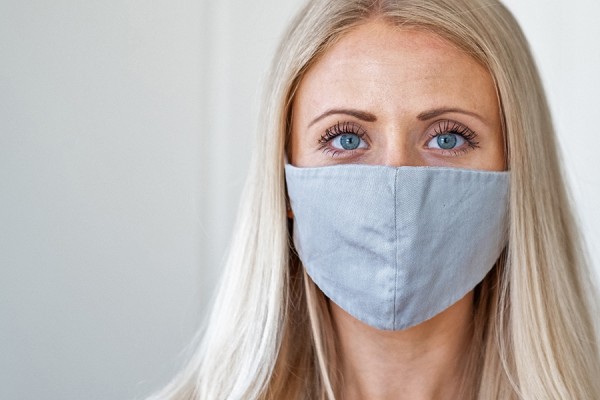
(449, 125)
(340, 128)
(347, 127)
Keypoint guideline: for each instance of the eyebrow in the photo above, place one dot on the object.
(362, 115)
(427, 115)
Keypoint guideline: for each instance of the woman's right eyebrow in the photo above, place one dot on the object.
(362, 115)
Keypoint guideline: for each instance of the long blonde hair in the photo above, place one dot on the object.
(269, 335)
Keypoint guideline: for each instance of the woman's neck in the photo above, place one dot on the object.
(425, 362)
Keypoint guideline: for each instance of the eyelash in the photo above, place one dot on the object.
(452, 127)
(336, 130)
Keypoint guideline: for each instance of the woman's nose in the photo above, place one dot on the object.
(398, 151)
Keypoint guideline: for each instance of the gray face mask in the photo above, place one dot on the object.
(395, 246)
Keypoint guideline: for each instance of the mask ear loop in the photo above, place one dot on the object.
(290, 213)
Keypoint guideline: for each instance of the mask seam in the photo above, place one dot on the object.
(396, 241)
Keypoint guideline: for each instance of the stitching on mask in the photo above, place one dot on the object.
(396, 237)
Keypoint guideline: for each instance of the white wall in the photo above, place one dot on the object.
(99, 195)
(125, 128)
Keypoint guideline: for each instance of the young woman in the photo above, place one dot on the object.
(423, 247)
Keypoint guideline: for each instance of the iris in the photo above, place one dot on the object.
(447, 141)
(349, 141)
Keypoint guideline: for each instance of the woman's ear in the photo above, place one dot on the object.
(290, 213)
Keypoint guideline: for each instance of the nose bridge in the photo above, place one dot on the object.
(399, 151)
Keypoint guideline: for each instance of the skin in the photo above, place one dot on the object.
(402, 87)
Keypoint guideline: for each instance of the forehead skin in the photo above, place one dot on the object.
(396, 74)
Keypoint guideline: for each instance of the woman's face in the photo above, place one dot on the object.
(389, 96)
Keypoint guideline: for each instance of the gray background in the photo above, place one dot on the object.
(125, 129)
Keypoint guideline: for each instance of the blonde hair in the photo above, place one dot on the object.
(270, 336)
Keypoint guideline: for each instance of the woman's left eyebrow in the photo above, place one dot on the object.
(362, 115)
(427, 115)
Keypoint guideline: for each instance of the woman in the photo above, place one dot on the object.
(487, 296)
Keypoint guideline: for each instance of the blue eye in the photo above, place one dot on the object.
(343, 138)
(453, 137)
(447, 141)
(347, 141)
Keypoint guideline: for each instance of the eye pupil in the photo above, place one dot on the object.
(349, 141)
(447, 141)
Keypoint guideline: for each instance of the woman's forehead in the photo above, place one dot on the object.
(380, 67)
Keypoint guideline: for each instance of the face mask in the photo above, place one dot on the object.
(395, 246)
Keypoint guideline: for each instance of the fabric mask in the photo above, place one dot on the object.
(395, 246)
